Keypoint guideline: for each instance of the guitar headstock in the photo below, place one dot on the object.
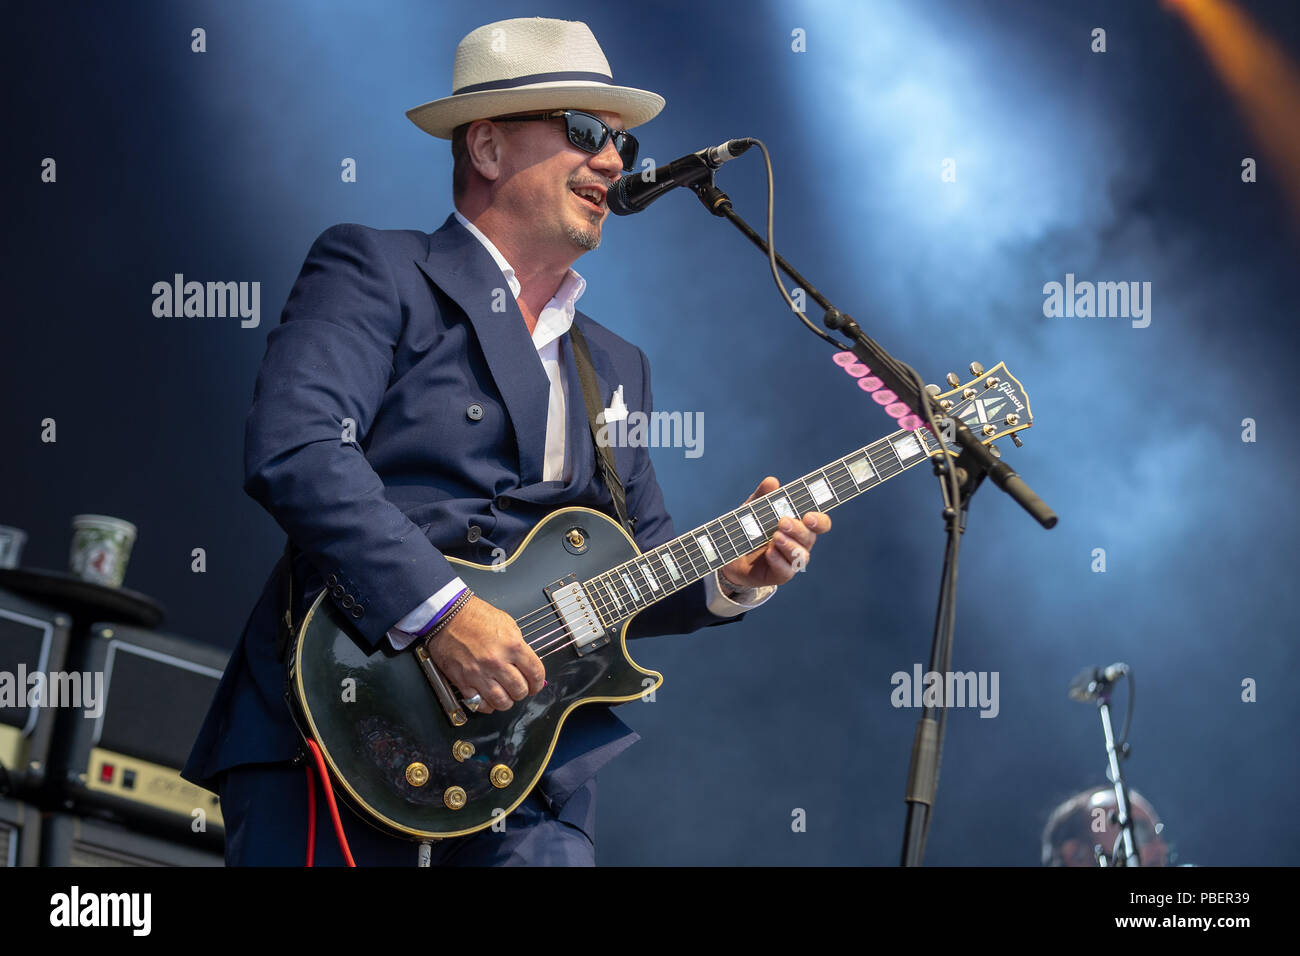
(992, 404)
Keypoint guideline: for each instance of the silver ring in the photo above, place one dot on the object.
(473, 703)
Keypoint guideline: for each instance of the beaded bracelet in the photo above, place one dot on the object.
(732, 586)
(452, 610)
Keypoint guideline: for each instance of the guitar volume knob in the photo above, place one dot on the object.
(417, 774)
(501, 776)
(462, 750)
(454, 798)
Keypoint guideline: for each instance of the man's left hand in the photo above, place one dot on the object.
(785, 555)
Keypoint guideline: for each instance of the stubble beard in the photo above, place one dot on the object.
(588, 239)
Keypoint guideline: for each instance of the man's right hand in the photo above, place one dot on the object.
(483, 652)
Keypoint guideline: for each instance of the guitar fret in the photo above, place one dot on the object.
(707, 549)
(651, 578)
(687, 544)
(749, 524)
(642, 583)
(730, 544)
(620, 595)
(666, 578)
(593, 594)
(631, 586)
(606, 599)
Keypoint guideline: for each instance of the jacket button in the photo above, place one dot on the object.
(503, 502)
(358, 611)
(475, 532)
(347, 600)
(337, 591)
(474, 412)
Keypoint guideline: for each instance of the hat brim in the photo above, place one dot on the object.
(440, 117)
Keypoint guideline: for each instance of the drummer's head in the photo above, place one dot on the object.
(1087, 820)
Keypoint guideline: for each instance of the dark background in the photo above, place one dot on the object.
(1122, 166)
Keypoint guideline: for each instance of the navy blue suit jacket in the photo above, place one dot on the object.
(396, 331)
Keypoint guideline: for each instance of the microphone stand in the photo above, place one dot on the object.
(1125, 818)
(974, 463)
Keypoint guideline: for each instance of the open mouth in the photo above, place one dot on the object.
(590, 197)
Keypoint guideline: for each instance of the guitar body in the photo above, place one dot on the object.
(375, 716)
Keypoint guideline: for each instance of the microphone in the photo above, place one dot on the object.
(632, 193)
(1089, 681)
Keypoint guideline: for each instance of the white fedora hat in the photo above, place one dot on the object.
(531, 63)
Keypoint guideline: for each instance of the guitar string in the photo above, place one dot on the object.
(838, 484)
(886, 445)
(564, 631)
(577, 601)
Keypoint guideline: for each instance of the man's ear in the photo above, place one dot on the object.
(484, 143)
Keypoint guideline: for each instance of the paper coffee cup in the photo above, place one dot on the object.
(101, 547)
(11, 546)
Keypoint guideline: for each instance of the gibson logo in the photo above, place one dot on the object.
(1006, 389)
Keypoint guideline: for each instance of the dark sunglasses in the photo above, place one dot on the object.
(587, 133)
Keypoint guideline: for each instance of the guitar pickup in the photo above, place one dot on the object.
(577, 614)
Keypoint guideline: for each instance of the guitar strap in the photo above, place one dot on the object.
(604, 463)
(286, 618)
(595, 405)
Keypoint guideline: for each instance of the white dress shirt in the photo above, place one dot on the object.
(553, 322)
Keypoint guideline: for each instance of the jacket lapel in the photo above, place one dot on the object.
(460, 265)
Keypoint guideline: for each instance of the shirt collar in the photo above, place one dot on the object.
(557, 316)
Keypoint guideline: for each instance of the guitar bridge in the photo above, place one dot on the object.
(577, 614)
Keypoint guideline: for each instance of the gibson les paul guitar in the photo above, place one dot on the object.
(413, 763)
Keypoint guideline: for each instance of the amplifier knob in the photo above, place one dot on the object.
(502, 776)
(462, 750)
(417, 774)
(454, 797)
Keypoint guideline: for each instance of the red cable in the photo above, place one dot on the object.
(311, 815)
(329, 798)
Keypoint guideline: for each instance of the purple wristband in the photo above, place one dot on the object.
(424, 631)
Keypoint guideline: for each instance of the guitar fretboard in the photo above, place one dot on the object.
(662, 571)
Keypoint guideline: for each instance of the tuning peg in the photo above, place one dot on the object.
(995, 451)
(953, 380)
(1016, 439)
(933, 390)
(976, 368)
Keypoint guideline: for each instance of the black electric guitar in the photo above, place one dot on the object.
(409, 759)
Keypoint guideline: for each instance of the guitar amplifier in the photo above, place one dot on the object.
(33, 646)
(74, 841)
(124, 755)
(20, 834)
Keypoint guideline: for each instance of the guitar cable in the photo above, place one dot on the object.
(334, 808)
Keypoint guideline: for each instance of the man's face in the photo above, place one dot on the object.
(540, 170)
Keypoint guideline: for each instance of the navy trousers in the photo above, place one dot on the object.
(265, 811)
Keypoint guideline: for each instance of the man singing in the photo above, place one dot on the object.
(421, 399)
